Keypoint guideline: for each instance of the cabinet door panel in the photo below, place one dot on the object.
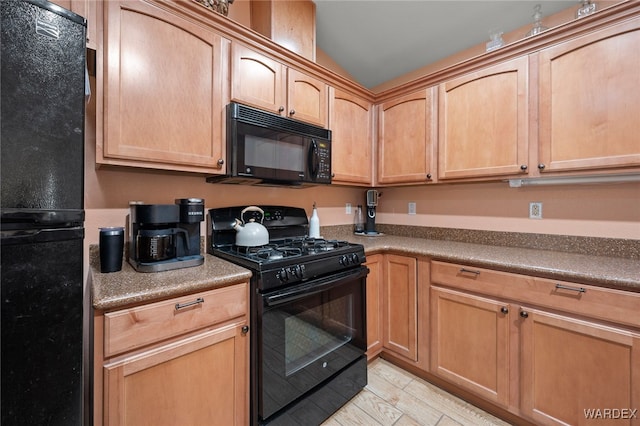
(470, 343)
(257, 80)
(589, 101)
(307, 98)
(569, 366)
(484, 122)
(201, 380)
(351, 139)
(400, 306)
(375, 297)
(405, 138)
(163, 92)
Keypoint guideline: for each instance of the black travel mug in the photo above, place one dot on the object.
(111, 246)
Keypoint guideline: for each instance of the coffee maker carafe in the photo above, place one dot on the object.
(372, 203)
(165, 236)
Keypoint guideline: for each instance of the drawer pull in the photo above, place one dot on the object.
(524, 314)
(186, 305)
(469, 271)
(566, 287)
(504, 310)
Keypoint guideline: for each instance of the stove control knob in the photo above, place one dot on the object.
(344, 260)
(354, 258)
(297, 271)
(282, 275)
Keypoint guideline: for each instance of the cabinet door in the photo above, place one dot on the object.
(406, 135)
(470, 343)
(400, 306)
(163, 92)
(483, 122)
(307, 98)
(375, 296)
(571, 368)
(589, 101)
(351, 138)
(257, 80)
(86, 9)
(201, 380)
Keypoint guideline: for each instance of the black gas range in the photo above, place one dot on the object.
(308, 315)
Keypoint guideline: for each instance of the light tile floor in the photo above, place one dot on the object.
(396, 397)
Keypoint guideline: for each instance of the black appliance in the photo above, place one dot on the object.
(267, 149)
(42, 132)
(308, 316)
(165, 236)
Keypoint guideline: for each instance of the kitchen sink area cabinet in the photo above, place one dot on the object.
(546, 350)
(162, 90)
(484, 122)
(265, 83)
(183, 358)
(407, 138)
(351, 124)
(375, 296)
(570, 366)
(589, 119)
(405, 309)
(470, 343)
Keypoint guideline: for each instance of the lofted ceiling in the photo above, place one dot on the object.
(378, 40)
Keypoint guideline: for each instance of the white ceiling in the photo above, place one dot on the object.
(378, 40)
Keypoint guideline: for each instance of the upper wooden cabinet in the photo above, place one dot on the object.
(351, 139)
(483, 122)
(86, 9)
(590, 101)
(265, 83)
(163, 90)
(406, 138)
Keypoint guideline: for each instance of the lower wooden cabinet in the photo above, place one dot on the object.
(375, 297)
(470, 343)
(177, 361)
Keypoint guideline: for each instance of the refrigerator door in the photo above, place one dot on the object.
(42, 327)
(42, 106)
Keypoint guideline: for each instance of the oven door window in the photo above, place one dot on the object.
(308, 339)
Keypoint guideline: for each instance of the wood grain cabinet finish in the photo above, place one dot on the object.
(265, 83)
(406, 138)
(163, 90)
(589, 101)
(351, 124)
(483, 122)
(470, 343)
(375, 297)
(181, 360)
(400, 302)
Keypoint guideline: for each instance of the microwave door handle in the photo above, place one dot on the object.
(314, 159)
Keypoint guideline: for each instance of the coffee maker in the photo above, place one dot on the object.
(372, 203)
(165, 236)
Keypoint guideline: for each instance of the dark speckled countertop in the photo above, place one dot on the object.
(128, 287)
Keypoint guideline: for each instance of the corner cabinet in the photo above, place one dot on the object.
(589, 101)
(351, 124)
(407, 138)
(164, 90)
(183, 359)
(484, 122)
(265, 83)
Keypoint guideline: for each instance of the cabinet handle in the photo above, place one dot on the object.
(220, 163)
(186, 305)
(524, 167)
(429, 176)
(469, 271)
(281, 109)
(504, 310)
(293, 111)
(566, 287)
(245, 329)
(524, 314)
(541, 166)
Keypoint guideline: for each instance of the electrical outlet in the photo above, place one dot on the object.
(535, 210)
(347, 208)
(412, 208)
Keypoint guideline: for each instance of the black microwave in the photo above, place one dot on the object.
(265, 148)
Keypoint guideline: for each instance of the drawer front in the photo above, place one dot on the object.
(132, 328)
(601, 303)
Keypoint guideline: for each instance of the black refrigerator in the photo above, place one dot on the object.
(42, 175)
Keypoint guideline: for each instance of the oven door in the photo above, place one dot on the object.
(308, 333)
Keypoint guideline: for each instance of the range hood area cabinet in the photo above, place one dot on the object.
(163, 90)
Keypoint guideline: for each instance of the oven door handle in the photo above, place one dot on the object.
(313, 287)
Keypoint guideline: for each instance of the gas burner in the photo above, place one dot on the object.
(269, 252)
